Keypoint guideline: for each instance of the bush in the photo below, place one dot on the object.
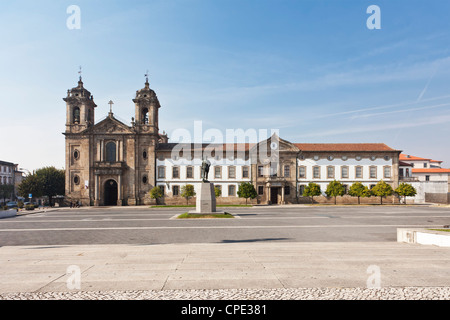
(20, 204)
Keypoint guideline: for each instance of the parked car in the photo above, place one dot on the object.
(11, 204)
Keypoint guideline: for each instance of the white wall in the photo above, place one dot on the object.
(224, 181)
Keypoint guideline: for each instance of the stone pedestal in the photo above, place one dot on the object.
(206, 198)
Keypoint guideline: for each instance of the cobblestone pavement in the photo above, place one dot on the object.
(390, 293)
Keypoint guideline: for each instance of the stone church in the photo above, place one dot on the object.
(109, 162)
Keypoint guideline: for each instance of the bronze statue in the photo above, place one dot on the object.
(205, 169)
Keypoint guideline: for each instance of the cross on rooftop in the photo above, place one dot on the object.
(110, 105)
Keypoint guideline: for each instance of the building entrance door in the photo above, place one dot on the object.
(274, 191)
(110, 193)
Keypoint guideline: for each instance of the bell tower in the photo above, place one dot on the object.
(80, 108)
(146, 109)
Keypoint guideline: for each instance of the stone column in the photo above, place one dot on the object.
(96, 191)
(282, 195)
(102, 150)
(119, 190)
(268, 195)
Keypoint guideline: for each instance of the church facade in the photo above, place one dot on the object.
(112, 163)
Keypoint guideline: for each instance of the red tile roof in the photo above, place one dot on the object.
(343, 147)
(404, 164)
(431, 170)
(404, 157)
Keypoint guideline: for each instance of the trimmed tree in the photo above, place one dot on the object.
(187, 191)
(382, 189)
(405, 190)
(156, 193)
(217, 191)
(247, 190)
(359, 190)
(334, 189)
(312, 190)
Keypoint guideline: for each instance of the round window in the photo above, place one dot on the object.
(144, 154)
(76, 154)
(387, 158)
(373, 158)
(316, 158)
(76, 180)
(330, 158)
(358, 158)
(144, 179)
(344, 158)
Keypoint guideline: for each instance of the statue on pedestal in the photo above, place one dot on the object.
(205, 170)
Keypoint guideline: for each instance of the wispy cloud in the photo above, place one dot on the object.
(379, 127)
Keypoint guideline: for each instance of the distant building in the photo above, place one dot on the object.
(427, 176)
(9, 174)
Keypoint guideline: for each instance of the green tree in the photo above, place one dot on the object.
(405, 190)
(312, 190)
(46, 181)
(382, 189)
(187, 191)
(217, 191)
(334, 189)
(359, 190)
(6, 191)
(247, 190)
(156, 193)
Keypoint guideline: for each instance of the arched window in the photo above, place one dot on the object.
(111, 151)
(145, 116)
(76, 115)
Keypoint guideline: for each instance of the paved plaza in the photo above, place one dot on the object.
(286, 252)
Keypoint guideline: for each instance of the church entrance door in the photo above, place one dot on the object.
(110, 193)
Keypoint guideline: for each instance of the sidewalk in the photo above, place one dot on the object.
(234, 266)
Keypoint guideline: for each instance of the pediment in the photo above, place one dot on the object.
(111, 125)
(276, 143)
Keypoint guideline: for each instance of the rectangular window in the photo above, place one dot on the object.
(301, 190)
(231, 172)
(162, 190)
(400, 172)
(316, 172)
(260, 190)
(287, 171)
(373, 172)
(189, 172)
(260, 171)
(427, 178)
(302, 172)
(217, 172)
(176, 191)
(245, 173)
(161, 172)
(345, 188)
(344, 172)
(231, 190)
(287, 190)
(387, 172)
(175, 172)
(358, 172)
(330, 172)
(425, 164)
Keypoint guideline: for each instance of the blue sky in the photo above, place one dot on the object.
(311, 69)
